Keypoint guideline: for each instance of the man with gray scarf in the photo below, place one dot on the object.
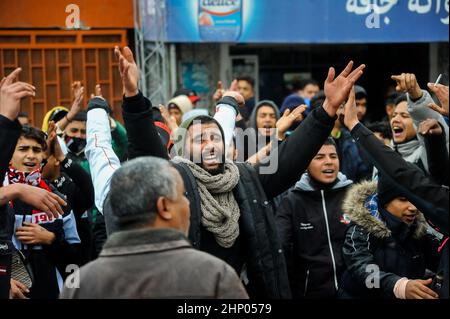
(231, 217)
(410, 110)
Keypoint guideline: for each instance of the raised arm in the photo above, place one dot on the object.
(11, 93)
(103, 162)
(418, 102)
(295, 154)
(430, 198)
(143, 138)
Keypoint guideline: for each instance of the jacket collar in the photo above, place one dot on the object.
(354, 207)
(131, 242)
(307, 184)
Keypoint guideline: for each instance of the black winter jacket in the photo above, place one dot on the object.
(258, 237)
(430, 198)
(380, 249)
(312, 228)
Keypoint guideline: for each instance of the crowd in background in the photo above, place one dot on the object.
(307, 200)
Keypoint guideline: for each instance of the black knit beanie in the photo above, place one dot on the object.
(387, 190)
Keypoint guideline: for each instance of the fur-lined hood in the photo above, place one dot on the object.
(354, 207)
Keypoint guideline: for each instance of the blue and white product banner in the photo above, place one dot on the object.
(302, 21)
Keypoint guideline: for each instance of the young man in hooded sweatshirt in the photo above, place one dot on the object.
(312, 227)
(231, 217)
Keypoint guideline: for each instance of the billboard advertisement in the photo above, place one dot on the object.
(304, 21)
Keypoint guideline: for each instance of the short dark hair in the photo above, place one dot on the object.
(247, 79)
(32, 133)
(23, 114)
(401, 98)
(391, 98)
(330, 141)
(303, 83)
(80, 116)
(317, 100)
(382, 127)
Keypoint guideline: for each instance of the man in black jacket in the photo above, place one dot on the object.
(234, 221)
(312, 227)
(11, 93)
(430, 198)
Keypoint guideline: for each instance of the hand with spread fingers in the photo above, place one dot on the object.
(129, 71)
(441, 92)
(407, 83)
(12, 92)
(337, 89)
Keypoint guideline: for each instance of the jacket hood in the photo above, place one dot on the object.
(354, 206)
(305, 184)
(181, 133)
(256, 108)
(182, 102)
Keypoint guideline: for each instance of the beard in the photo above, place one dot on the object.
(215, 171)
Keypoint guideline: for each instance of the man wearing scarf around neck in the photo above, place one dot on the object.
(11, 93)
(50, 244)
(231, 217)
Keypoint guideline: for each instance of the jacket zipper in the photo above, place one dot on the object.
(329, 238)
(306, 282)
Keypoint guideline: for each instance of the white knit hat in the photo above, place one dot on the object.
(183, 103)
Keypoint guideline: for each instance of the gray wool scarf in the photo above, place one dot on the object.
(220, 211)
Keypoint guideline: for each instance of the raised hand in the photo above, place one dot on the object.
(350, 111)
(98, 92)
(337, 89)
(53, 147)
(78, 94)
(288, 118)
(11, 93)
(441, 92)
(219, 92)
(170, 120)
(430, 127)
(407, 83)
(129, 71)
(233, 92)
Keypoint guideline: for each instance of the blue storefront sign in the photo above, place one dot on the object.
(304, 21)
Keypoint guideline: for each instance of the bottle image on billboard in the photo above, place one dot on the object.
(220, 20)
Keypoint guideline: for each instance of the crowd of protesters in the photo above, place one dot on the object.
(306, 200)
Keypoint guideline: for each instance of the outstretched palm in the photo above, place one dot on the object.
(337, 89)
(128, 69)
